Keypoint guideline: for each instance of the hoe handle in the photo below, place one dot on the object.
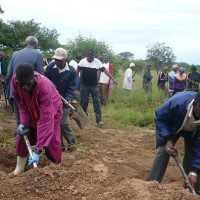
(174, 154)
(29, 149)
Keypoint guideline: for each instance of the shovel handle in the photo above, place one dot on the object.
(29, 149)
(184, 174)
(177, 159)
(67, 103)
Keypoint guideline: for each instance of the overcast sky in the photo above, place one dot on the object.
(125, 25)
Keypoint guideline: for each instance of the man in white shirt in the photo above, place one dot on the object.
(127, 85)
(171, 75)
(105, 81)
(74, 63)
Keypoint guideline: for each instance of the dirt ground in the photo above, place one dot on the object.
(108, 164)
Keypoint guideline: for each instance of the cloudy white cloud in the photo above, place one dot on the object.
(125, 25)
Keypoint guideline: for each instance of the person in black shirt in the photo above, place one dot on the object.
(88, 68)
(193, 79)
(163, 79)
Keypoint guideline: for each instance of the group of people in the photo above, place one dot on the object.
(178, 80)
(36, 97)
(174, 81)
(44, 118)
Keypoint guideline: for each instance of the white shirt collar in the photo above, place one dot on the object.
(190, 108)
(66, 68)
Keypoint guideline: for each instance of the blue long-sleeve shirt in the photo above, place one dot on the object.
(170, 118)
(28, 55)
(64, 81)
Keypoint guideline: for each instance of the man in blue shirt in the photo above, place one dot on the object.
(178, 117)
(28, 55)
(63, 76)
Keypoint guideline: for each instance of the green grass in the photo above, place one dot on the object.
(135, 108)
(74, 147)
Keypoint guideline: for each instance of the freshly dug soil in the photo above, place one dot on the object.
(106, 164)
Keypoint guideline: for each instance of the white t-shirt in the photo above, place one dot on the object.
(74, 64)
(104, 78)
(89, 71)
(127, 84)
(94, 64)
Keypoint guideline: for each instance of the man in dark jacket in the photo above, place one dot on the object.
(163, 79)
(178, 117)
(193, 79)
(63, 76)
(147, 79)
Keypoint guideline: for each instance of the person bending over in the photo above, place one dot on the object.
(40, 110)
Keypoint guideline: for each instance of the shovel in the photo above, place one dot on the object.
(78, 115)
(178, 162)
(29, 149)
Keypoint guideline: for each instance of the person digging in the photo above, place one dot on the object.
(178, 117)
(40, 110)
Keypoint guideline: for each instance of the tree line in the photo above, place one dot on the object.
(13, 34)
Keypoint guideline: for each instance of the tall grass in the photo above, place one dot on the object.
(135, 108)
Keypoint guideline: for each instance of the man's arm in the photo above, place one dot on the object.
(71, 86)
(168, 118)
(78, 70)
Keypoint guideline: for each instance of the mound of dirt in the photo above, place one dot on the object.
(106, 164)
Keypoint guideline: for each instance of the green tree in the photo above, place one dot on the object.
(80, 45)
(159, 55)
(126, 55)
(13, 35)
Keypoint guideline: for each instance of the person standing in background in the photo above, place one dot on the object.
(128, 80)
(171, 76)
(147, 79)
(3, 64)
(193, 79)
(74, 63)
(180, 81)
(105, 81)
(89, 67)
(163, 79)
